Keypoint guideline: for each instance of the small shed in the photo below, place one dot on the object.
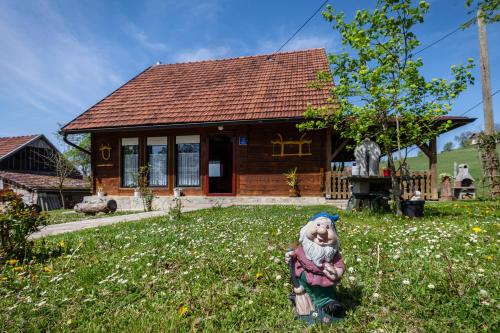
(24, 170)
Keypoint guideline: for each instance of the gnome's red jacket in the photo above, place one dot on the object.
(314, 274)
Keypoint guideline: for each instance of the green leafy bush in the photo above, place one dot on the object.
(175, 210)
(17, 222)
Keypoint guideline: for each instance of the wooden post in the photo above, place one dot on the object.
(328, 164)
(433, 168)
(431, 152)
(328, 150)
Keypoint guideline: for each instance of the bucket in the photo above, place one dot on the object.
(355, 170)
(413, 208)
(177, 192)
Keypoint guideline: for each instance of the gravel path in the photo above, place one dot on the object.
(55, 229)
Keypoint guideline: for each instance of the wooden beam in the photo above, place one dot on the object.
(328, 184)
(328, 149)
(425, 149)
(338, 150)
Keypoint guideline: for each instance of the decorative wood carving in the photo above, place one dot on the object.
(105, 151)
(301, 147)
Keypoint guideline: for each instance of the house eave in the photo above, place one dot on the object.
(181, 125)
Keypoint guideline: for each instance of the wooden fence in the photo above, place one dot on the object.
(337, 185)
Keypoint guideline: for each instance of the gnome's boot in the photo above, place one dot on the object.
(334, 308)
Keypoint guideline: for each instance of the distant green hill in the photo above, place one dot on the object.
(446, 159)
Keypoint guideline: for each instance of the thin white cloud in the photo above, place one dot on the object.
(139, 35)
(46, 67)
(203, 53)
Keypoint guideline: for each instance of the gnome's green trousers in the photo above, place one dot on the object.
(320, 296)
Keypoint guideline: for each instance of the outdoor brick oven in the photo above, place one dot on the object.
(464, 186)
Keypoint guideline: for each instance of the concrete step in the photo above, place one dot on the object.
(164, 202)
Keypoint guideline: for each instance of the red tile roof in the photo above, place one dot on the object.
(236, 89)
(39, 182)
(10, 144)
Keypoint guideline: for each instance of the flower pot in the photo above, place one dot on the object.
(177, 192)
(137, 194)
(387, 172)
(100, 194)
(413, 208)
(293, 192)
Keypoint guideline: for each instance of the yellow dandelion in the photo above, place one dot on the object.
(476, 229)
(488, 257)
(183, 310)
(47, 269)
(12, 261)
(3, 278)
(61, 243)
(17, 268)
(259, 275)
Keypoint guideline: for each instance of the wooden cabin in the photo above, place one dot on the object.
(214, 128)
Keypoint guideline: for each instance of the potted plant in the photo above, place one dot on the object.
(293, 182)
(136, 183)
(100, 191)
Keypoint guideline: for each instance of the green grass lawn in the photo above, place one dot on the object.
(68, 215)
(222, 270)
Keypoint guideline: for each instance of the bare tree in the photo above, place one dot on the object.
(62, 168)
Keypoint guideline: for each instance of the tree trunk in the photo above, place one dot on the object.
(396, 188)
(95, 206)
(487, 148)
(490, 163)
(62, 198)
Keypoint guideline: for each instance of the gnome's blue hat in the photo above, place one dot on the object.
(333, 218)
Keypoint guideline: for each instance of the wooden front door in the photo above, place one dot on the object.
(221, 166)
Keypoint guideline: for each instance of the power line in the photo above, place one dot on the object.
(302, 26)
(476, 105)
(445, 36)
(462, 114)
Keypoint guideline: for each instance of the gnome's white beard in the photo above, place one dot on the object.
(317, 253)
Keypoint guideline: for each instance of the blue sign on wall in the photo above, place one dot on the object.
(243, 140)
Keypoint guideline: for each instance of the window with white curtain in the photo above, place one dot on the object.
(157, 161)
(188, 160)
(130, 161)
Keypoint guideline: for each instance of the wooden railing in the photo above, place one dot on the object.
(337, 185)
(419, 181)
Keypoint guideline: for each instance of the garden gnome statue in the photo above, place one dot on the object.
(367, 156)
(316, 267)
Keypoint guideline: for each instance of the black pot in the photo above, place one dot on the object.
(413, 208)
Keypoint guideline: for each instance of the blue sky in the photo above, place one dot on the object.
(57, 58)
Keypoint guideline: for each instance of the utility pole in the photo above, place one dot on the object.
(487, 147)
(485, 75)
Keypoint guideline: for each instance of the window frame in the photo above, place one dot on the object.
(166, 161)
(122, 161)
(177, 163)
